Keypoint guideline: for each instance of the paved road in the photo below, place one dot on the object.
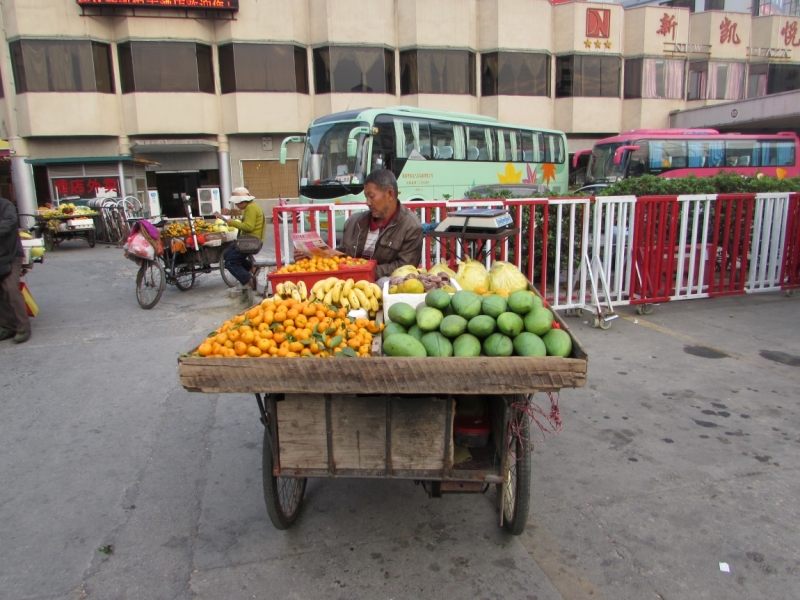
(681, 453)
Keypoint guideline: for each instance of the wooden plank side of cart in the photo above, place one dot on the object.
(387, 374)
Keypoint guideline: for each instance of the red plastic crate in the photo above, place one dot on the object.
(364, 272)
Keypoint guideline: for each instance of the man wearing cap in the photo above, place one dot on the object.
(252, 224)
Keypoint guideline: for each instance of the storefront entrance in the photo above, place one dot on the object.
(172, 184)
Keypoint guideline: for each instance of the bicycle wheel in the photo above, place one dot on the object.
(283, 495)
(516, 490)
(185, 275)
(150, 283)
(90, 238)
(227, 277)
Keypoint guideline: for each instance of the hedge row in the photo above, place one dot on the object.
(726, 182)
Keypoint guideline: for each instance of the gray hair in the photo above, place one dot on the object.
(383, 179)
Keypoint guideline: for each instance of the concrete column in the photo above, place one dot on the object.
(124, 145)
(224, 161)
(24, 189)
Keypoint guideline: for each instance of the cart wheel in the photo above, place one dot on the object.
(578, 312)
(516, 491)
(601, 323)
(283, 495)
(150, 283)
(644, 309)
(789, 293)
(90, 238)
(48, 240)
(185, 276)
(229, 279)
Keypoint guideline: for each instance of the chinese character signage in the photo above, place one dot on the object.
(789, 33)
(669, 25)
(727, 32)
(86, 187)
(598, 23)
(200, 4)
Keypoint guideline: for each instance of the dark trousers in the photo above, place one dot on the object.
(13, 314)
(238, 264)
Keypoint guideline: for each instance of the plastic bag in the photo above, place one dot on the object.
(139, 246)
(505, 276)
(472, 274)
(442, 268)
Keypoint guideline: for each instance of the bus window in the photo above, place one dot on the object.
(530, 152)
(637, 163)
(777, 154)
(442, 140)
(412, 136)
(553, 148)
(698, 155)
(666, 155)
(741, 153)
(480, 143)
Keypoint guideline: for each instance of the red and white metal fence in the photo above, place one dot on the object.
(610, 251)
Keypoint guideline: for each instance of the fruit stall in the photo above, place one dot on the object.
(67, 222)
(192, 247)
(436, 388)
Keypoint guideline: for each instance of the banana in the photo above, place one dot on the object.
(362, 285)
(278, 290)
(376, 305)
(376, 290)
(348, 286)
(354, 301)
(296, 295)
(337, 291)
(289, 286)
(303, 289)
(344, 303)
(328, 299)
(320, 293)
(315, 288)
(329, 283)
(362, 298)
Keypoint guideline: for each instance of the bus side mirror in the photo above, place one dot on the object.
(297, 139)
(620, 150)
(352, 143)
(577, 156)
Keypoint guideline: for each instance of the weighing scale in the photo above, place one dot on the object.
(476, 220)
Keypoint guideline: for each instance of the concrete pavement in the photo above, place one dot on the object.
(681, 453)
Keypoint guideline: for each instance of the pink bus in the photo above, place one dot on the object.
(701, 152)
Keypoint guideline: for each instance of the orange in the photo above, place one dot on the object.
(257, 321)
(254, 351)
(292, 313)
(295, 347)
(278, 338)
(268, 305)
(240, 348)
(269, 317)
(288, 323)
(233, 335)
(204, 349)
(221, 338)
(354, 343)
(264, 345)
(310, 310)
(254, 312)
(228, 344)
(314, 348)
(248, 336)
(301, 320)
(273, 351)
(290, 329)
(282, 352)
(279, 317)
(320, 314)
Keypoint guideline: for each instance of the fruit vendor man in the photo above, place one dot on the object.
(252, 224)
(388, 232)
(14, 321)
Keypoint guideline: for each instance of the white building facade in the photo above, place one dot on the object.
(176, 95)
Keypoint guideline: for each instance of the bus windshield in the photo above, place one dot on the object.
(325, 161)
(601, 167)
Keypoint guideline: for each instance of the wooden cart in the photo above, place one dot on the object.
(390, 418)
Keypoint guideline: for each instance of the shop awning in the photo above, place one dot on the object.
(127, 158)
(171, 145)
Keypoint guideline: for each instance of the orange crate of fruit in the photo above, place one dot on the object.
(365, 272)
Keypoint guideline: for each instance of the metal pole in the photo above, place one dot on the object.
(224, 162)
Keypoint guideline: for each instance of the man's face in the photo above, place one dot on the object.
(381, 203)
(241, 205)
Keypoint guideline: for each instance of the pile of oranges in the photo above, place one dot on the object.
(286, 328)
(317, 264)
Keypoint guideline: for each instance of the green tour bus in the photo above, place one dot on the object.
(436, 155)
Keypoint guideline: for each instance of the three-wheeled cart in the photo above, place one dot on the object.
(390, 418)
(56, 229)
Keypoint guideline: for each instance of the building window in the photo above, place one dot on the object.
(581, 75)
(653, 78)
(783, 78)
(437, 72)
(715, 5)
(262, 68)
(165, 67)
(61, 66)
(346, 69)
(715, 81)
(680, 4)
(761, 8)
(515, 74)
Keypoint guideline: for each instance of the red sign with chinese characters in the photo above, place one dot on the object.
(669, 24)
(598, 22)
(86, 187)
(789, 33)
(201, 4)
(727, 32)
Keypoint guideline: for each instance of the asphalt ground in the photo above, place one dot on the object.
(681, 453)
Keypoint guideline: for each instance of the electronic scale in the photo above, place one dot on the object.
(476, 220)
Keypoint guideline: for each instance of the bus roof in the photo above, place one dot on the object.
(369, 114)
(686, 134)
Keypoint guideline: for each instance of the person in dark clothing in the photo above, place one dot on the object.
(14, 320)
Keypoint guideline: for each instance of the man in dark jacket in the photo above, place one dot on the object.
(14, 321)
(388, 232)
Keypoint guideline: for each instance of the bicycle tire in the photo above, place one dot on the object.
(90, 239)
(282, 495)
(516, 490)
(227, 276)
(150, 283)
(185, 275)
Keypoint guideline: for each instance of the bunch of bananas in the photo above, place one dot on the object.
(296, 291)
(182, 229)
(348, 293)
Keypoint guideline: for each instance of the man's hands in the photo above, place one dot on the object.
(221, 216)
